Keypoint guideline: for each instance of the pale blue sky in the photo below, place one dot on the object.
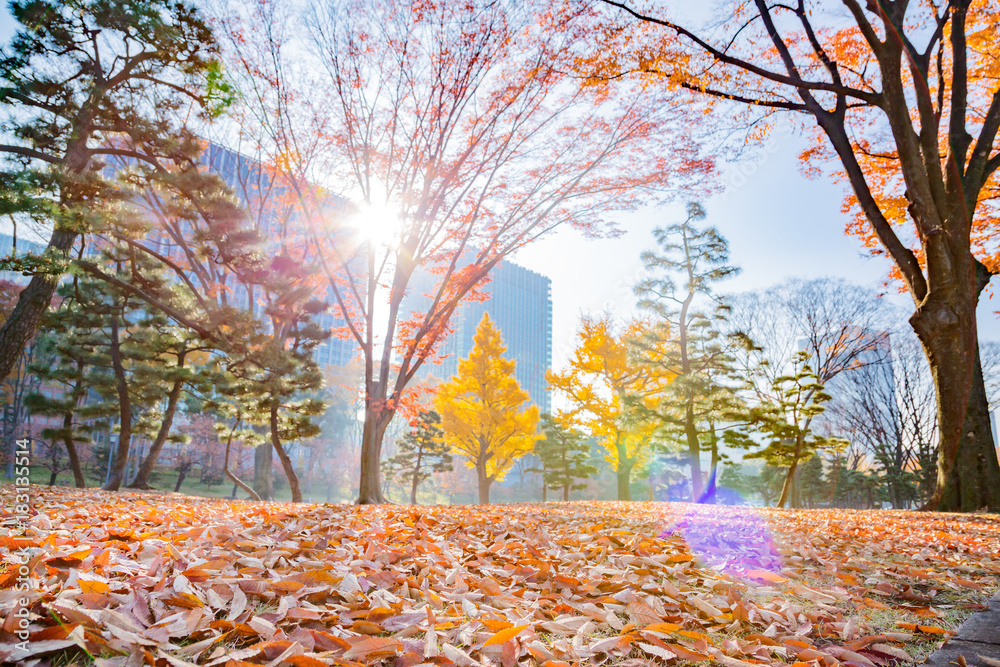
(779, 225)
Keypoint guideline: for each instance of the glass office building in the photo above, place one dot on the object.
(520, 304)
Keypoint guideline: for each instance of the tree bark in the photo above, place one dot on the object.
(370, 483)
(286, 462)
(694, 455)
(968, 477)
(180, 479)
(263, 471)
(973, 481)
(624, 474)
(23, 322)
(237, 482)
(141, 480)
(416, 476)
(74, 456)
(484, 483)
(124, 413)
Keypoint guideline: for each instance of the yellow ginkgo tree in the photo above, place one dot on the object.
(486, 416)
(603, 385)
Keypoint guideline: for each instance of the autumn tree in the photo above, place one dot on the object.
(421, 453)
(565, 458)
(604, 383)
(459, 136)
(905, 96)
(85, 81)
(485, 415)
(688, 344)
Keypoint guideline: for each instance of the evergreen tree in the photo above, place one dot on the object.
(786, 423)
(421, 453)
(85, 81)
(686, 343)
(565, 455)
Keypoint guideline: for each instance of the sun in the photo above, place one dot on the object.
(380, 224)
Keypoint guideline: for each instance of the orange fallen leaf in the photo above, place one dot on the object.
(505, 635)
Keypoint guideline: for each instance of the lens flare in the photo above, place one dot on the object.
(728, 538)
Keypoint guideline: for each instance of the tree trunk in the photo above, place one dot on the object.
(974, 482)
(968, 476)
(624, 474)
(141, 480)
(180, 480)
(237, 482)
(52, 477)
(484, 483)
(286, 463)
(786, 488)
(694, 456)
(34, 300)
(370, 483)
(566, 493)
(416, 476)
(124, 413)
(263, 471)
(74, 456)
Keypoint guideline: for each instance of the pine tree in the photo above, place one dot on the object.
(786, 423)
(421, 453)
(85, 81)
(565, 456)
(687, 343)
(486, 416)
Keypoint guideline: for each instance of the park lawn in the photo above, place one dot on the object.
(130, 579)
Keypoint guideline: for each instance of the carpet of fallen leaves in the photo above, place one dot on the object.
(167, 580)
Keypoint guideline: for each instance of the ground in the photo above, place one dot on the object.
(131, 579)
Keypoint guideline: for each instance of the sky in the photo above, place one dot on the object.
(779, 225)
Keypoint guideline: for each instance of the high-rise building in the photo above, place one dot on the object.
(520, 304)
(268, 202)
(24, 247)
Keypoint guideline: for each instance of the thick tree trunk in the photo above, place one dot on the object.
(566, 493)
(974, 482)
(484, 484)
(968, 477)
(263, 471)
(124, 413)
(141, 480)
(34, 300)
(370, 483)
(286, 462)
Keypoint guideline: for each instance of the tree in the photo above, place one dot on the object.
(460, 137)
(84, 80)
(604, 383)
(905, 95)
(422, 452)
(485, 415)
(687, 345)
(565, 457)
(786, 423)
(887, 409)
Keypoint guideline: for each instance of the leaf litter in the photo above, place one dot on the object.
(133, 579)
